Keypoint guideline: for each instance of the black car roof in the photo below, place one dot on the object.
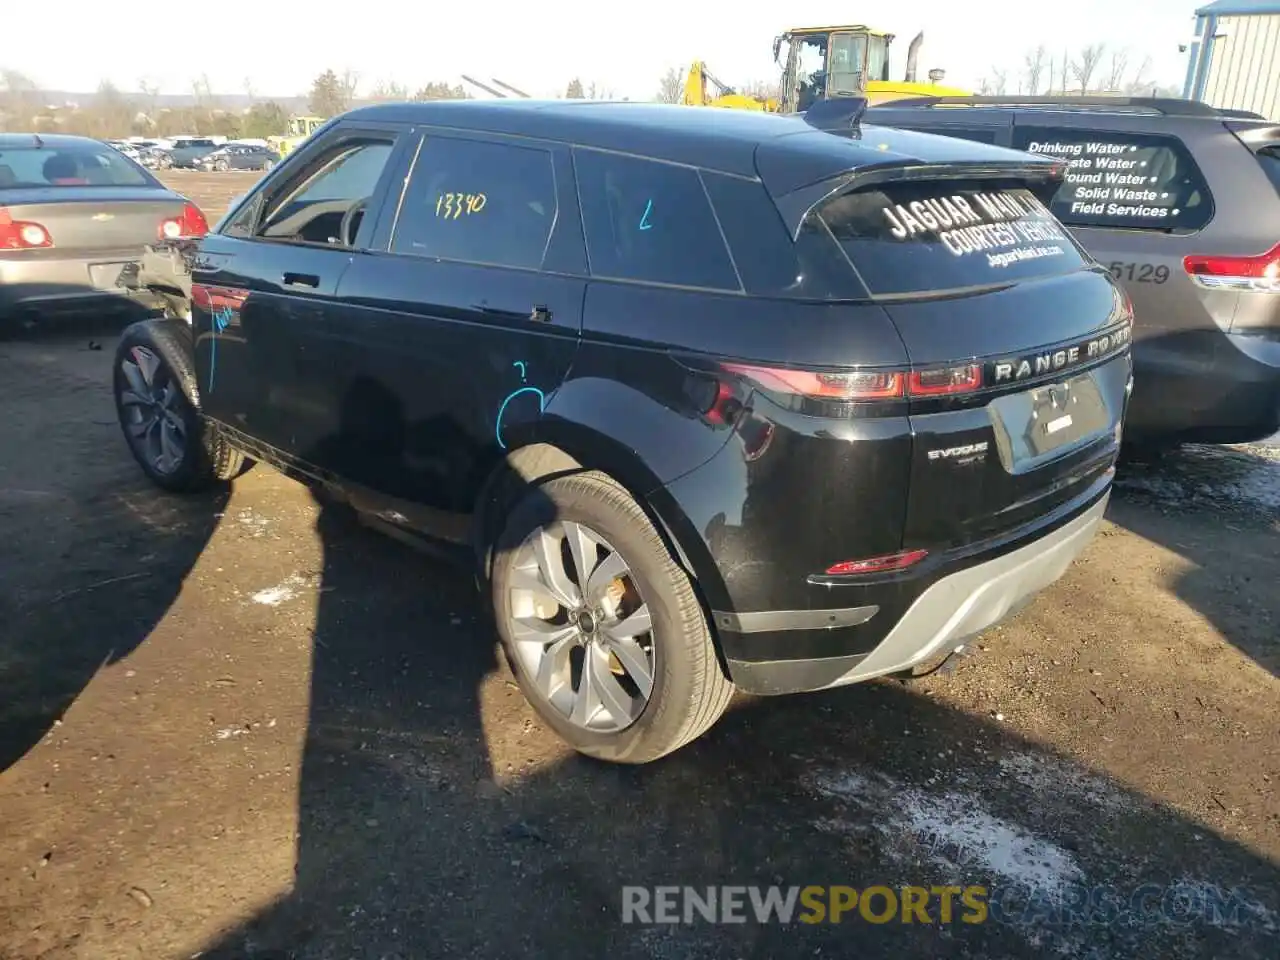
(785, 150)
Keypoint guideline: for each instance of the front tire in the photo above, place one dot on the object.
(601, 625)
(153, 385)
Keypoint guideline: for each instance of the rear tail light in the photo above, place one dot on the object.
(1259, 273)
(190, 224)
(945, 381)
(885, 564)
(22, 234)
(866, 385)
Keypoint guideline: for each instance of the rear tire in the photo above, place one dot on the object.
(154, 390)
(632, 582)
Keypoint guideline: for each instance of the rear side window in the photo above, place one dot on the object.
(934, 236)
(478, 202)
(650, 221)
(68, 166)
(1135, 181)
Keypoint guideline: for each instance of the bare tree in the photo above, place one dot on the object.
(671, 87)
(999, 81)
(350, 85)
(439, 90)
(762, 89)
(984, 87)
(574, 91)
(1083, 67)
(1033, 65)
(389, 90)
(1138, 84)
(19, 100)
(598, 92)
(1116, 71)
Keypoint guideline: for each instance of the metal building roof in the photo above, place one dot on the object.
(1239, 8)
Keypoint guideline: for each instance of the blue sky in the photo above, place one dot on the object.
(279, 46)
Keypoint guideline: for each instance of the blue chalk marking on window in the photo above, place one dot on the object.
(502, 408)
(644, 221)
(221, 320)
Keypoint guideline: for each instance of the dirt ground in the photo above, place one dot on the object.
(244, 726)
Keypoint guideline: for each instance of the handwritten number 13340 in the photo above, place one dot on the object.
(451, 206)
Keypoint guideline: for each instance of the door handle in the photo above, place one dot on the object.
(541, 314)
(301, 280)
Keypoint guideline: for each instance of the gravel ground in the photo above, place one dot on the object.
(244, 726)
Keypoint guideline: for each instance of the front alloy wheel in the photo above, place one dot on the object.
(152, 411)
(580, 627)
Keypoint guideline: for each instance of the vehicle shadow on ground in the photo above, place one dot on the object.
(93, 556)
(1185, 501)
(433, 822)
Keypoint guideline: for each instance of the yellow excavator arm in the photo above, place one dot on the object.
(697, 92)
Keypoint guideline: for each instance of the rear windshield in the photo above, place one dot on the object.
(928, 237)
(74, 166)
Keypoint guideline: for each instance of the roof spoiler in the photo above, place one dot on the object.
(837, 114)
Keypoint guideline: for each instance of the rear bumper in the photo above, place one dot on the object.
(1208, 387)
(58, 282)
(972, 596)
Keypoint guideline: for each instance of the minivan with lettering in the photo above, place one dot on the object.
(1181, 203)
(712, 400)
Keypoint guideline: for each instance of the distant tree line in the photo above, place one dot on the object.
(1093, 69)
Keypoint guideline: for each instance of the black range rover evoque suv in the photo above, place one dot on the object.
(716, 400)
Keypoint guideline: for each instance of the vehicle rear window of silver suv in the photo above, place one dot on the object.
(1136, 181)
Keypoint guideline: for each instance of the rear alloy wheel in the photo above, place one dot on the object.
(601, 625)
(165, 432)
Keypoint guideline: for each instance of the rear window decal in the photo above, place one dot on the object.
(984, 222)
(928, 236)
(1133, 180)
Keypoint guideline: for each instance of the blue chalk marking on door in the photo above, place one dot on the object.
(221, 320)
(502, 408)
(644, 221)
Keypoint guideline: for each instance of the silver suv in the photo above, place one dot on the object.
(1181, 202)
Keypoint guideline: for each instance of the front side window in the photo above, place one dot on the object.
(331, 197)
(650, 221)
(1136, 181)
(479, 202)
(68, 166)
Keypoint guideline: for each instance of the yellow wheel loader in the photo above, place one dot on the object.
(299, 129)
(822, 63)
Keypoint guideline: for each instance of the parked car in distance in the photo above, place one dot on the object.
(1181, 202)
(155, 157)
(711, 405)
(73, 213)
(187, 154)
(239, 156)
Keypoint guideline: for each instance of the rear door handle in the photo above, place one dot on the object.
(301, 280)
